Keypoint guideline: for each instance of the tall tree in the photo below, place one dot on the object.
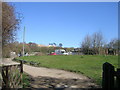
(60, 45)
(114, 44)
(10, 23)
(97, 41)
(93, 44)
(86, 44)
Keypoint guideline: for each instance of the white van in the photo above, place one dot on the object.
(61, 52)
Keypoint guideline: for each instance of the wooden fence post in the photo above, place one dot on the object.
(21, 71)
(108, 77)
(21, 66)
(7, 78)
(118, 78)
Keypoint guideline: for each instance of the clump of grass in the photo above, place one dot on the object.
(25, 80)
(82, 56)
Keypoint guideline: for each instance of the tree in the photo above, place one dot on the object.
(44, 50)
(60, 45)
(97, 41)
(10, 24)
(54, 44)
(93, 44)
(33, 47)
(87, 41)
(114, 45)
(86, 44)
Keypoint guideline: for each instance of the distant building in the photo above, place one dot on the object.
(51, 46)
(40, 45)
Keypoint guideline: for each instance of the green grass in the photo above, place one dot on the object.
(25, 80)
(88, 65)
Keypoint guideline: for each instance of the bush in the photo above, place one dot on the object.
(40, 54)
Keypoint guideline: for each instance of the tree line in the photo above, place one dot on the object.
(95, 44)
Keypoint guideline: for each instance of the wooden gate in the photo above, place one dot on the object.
(12, 75)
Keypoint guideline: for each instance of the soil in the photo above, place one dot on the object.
(55, 83)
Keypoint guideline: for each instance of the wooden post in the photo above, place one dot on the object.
(7, 78)
(21, 66)
(108, 77)
(118, 78)
(21, 71)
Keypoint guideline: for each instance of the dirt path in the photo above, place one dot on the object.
(53, 73)
(53, 78)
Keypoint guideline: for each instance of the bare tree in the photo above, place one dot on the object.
(10, 24)
(86, 44)
(93, 44)
(87, 41)
(97, 41)
(114, 44)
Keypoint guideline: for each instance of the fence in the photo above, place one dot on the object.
(12, 75)
(111, 78)
(27, 62)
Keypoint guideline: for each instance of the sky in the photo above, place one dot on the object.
(66, 22)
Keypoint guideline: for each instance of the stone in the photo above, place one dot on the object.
(58, 86)
(73, 86)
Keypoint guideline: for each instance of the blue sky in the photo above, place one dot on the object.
(67, 22)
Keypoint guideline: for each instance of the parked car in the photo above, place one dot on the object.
(52, 53)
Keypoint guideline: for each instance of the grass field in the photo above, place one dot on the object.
(88, 65)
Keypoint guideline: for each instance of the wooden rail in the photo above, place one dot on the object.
(12, 75)
(28, 62)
